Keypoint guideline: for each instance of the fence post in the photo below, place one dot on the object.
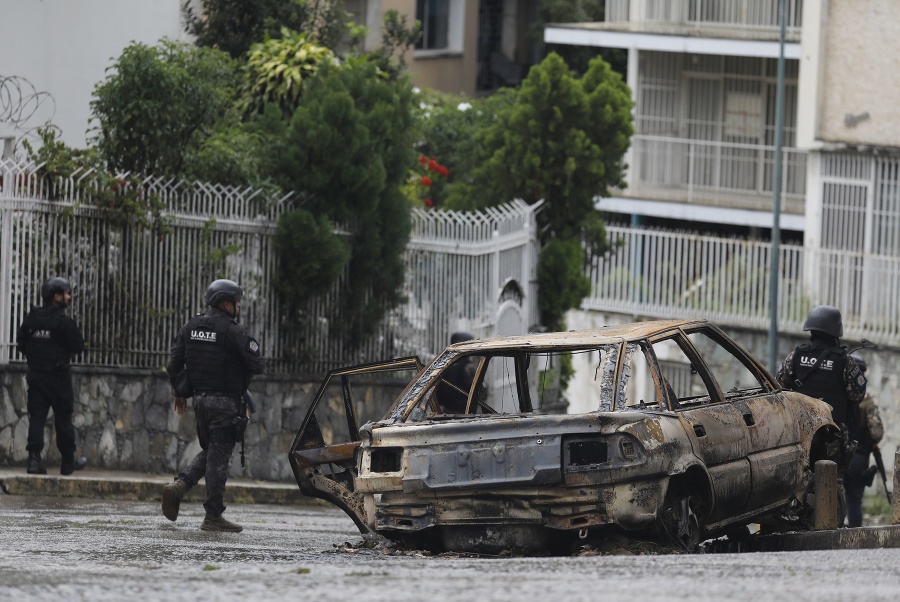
(6, 243)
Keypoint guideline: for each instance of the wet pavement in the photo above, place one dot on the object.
(90, 549)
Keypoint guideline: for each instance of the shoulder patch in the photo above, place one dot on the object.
(253, 347)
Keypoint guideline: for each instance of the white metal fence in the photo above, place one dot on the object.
(669, 274)
(133, 288)
(752, 15)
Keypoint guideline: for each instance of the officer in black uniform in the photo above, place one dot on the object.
(49, 339)
(824, 369)
(868, 435)
(212, 360)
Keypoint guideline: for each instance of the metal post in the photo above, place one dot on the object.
(775, 275)
(825, 514)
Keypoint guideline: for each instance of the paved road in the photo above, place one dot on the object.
(80, 549)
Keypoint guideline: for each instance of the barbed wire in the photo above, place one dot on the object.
(22, 105)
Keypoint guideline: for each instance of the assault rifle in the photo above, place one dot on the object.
(248, 399)
(240, 422)
(880, 464)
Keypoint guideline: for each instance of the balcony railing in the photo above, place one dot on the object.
(742, 17)
(666, 274)
(715, 173)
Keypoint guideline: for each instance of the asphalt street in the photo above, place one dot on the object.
(90, 549)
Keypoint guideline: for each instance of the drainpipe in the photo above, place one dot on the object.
(774, 277)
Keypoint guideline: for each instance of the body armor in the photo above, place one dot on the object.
(211, 367)
(819, 372)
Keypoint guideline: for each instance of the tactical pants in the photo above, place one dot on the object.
(215, 419)
(46, 391)
(854, 487)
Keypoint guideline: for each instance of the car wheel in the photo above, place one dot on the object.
(679, 523)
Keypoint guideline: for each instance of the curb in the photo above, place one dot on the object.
(144, 488)
(859, 538)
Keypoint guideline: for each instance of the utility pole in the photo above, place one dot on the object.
(775, 275)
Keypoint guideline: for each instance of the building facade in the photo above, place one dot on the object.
(704, 79)
(469, 47)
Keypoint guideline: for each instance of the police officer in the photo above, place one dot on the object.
(867, 434)
(823, 369)
(212, 359)
(49, 339)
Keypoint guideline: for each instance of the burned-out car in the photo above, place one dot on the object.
(688, 437)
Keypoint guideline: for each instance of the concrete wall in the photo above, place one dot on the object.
(453, 70)
(848, 73)
(124, 421)
(63, 48)
(883, 368)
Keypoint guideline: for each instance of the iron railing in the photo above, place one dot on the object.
(669, 274)
(715, 173)
(736, 16)
(134, 287)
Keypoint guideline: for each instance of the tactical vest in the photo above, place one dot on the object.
(210, 366)
(822, 376)
(46, 349)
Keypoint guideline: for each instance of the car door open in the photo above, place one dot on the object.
(323, 455)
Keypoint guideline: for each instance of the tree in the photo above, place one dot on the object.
(233, 26)
(561, 139)
(278, 67)
(158, 103)
(558, 138)
(348, 146)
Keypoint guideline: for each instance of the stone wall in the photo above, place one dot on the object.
(124, 421)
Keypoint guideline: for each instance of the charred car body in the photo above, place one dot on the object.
(691, 437)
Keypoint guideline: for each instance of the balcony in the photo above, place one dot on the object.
(743, 19)
(721, 174)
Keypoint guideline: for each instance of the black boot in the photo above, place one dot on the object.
(70, 464)
(171, 498)
(35, 466)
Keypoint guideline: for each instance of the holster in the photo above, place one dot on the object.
(239, 424)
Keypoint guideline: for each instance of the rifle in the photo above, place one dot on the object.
(240, 422)
(251, 403)
(880, 464)
(865, 344)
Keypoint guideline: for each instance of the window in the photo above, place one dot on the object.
(680, 374)
(442, 25)
(735, 377)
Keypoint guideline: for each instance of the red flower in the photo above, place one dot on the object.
(422, 159)
(428, 202)
(433, 165)
(426, 181)
(442, 170)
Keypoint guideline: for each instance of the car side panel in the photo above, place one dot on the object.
(776, 458)
(722, 442)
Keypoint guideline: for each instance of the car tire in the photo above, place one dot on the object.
(679, 523)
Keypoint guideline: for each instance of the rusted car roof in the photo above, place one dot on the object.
(575, 338)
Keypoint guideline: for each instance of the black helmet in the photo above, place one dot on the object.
(859, 361)
(826, 319)
(52, 286)
(459, 337)
(223, 290)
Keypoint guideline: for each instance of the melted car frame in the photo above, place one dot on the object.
(691, 438)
